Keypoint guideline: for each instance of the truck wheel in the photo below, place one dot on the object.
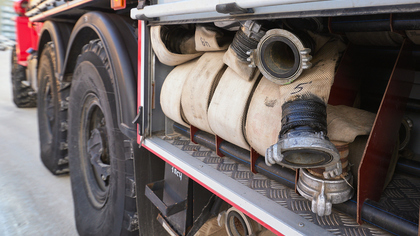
(52, 114)
(23, 95)
(102, 175)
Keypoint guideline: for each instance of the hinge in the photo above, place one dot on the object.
(142, 4)
(139, 120)
(232, 9)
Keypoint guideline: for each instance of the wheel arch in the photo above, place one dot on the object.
(59, 34)
(119, 39)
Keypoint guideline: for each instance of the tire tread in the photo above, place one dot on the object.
(54, 162)
(23, 95)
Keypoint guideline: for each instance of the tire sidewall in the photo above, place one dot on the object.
(91, 77)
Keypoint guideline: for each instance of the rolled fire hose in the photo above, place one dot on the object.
(208, 39)
(170, 96)
(199, 88)
(228, 107)
(263, 120)
(166, 56)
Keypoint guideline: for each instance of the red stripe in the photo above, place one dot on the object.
(139, 69)
(216, 193)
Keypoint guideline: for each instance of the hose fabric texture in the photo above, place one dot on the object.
(316, 81)
(170, 95)
(199, 88)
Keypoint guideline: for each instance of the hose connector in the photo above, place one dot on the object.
(303, 141)
(247, 38)
(281, 55)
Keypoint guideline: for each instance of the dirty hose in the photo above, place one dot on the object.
(199, 88)
(303, 141)
(228, 107)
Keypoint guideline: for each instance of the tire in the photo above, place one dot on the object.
(23, 95)
(52, 114)
(102, 175)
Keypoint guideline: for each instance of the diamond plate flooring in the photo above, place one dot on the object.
(402, 197)
(337, 223)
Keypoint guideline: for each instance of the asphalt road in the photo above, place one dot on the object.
(32, 200)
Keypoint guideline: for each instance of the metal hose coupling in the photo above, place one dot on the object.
(303, 141)
(281, 56)
(247, 38)
(323, 193)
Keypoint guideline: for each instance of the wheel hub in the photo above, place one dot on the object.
(95, 150)
(97, 159)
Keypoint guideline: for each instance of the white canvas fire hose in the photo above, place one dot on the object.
(263, 121)
(164, 54)
(189, 43)
(199, 88)
(170, 95)
(227, 110)
(210, 39)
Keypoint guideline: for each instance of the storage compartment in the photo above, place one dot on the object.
(368, 77)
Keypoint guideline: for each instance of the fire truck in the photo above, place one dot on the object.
(227, 117)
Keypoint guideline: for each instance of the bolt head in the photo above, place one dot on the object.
(410, 123)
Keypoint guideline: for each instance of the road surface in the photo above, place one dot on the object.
(32, 201)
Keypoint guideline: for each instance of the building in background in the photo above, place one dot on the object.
(7, 24)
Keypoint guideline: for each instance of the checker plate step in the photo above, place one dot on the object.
(337, 223)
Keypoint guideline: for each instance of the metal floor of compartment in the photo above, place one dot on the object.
(402, 197)
(337, 223)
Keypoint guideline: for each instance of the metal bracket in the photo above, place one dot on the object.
(142, 4)
(253, 156)
(219, 141)
(139, 120)
(166, 210)
(193, 130)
